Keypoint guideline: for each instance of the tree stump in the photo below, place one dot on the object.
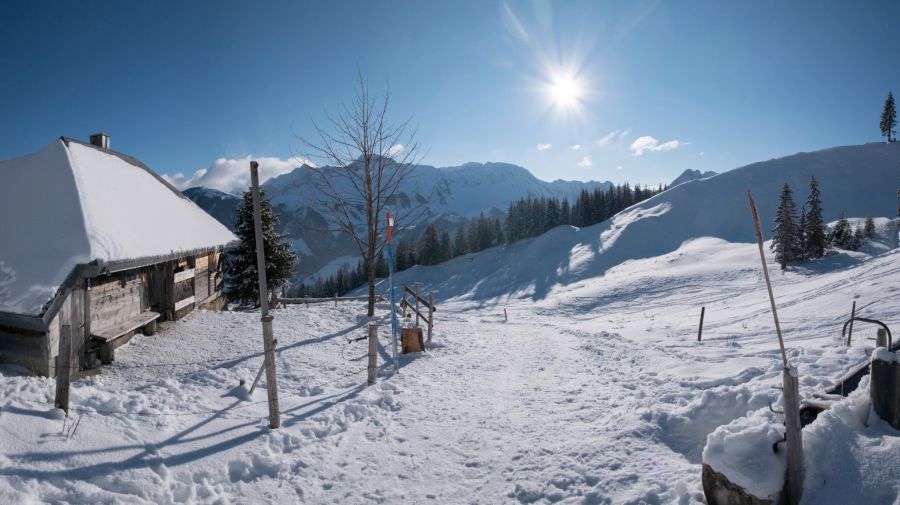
(411, 340)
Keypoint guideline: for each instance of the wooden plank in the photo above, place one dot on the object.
(417, 297)
(64, 368)
(112, 332)
(184, 275)
(184, 303)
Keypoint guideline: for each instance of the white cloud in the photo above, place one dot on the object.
(233, 175)
(648, 143)
(576, 147)
(395, 149)
(585, 162)
(702, 153)
(619, 167)
(544, 147)
(613, 136)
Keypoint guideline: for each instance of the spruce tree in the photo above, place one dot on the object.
(241, 274)
(888, 118)
(815, 240)
(842, 234)
(869, 228)
(784, 242)
(802, 235)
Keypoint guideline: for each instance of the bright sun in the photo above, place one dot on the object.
(565, 92)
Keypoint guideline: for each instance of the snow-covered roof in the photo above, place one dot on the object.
(72, 203)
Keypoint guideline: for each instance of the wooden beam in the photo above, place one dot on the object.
(184, 275)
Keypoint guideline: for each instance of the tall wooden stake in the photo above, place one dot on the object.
(852, 315)
(762, 258)
(64, 368)
(430, 313)
(505, 319)
(700, 331)
(373, 351)
(268, 338)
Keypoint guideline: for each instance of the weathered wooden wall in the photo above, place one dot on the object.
(115, 298)
(28, 349)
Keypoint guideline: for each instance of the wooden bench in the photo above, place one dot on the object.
(111, 337)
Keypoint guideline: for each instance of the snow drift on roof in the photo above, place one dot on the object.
(67, 205)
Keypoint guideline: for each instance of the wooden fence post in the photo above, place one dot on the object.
(416, 286)
(268, 337)
(307, 300)
(852, 315)
(403, 298)
(505, 319)
(430, 313)
(884, 386)
(700, 331)
(335, 300)
(64, 368)
(881, 338)
(793, 436)
(373, 351)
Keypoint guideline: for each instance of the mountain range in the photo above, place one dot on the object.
(444, 196)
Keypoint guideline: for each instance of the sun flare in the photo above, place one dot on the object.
(565, 92)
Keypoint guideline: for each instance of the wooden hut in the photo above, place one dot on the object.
(94, 243)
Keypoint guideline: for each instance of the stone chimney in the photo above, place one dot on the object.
(100, 140)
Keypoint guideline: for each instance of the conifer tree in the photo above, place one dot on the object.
(815, 239)
(842, 234)
(888, 118)
(869, 228)
(802, 235)
(241, 273)
(784, 242)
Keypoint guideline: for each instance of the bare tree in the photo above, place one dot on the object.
(365, 159)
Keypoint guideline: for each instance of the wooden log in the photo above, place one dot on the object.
(64, 368)
(881, 339)
(884, 388)
(373, 352)
(852, 315)
(700, 331)
(721, 491)
(793, 436)
(411, 340)
(430, 314)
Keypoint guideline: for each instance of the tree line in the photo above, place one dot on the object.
(805, 236)
(527, 217)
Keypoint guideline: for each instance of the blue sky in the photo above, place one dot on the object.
(715, 84)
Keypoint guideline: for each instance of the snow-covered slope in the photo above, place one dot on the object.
(860, 180)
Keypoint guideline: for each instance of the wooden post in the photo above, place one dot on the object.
(700, 331)
(416, 287)
(307, 300)
(335, 300)
(852, 315)
(881, 338)
(430, 314)
(505, 319)
(403, 298)
(793, 436)
(268, 337)
(884, 386)
(373, 351)
(64, 368)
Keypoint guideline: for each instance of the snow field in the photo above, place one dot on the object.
(597, 393)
